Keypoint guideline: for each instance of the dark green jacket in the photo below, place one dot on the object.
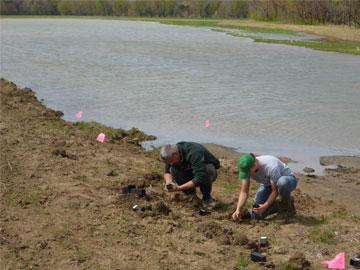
(195, 157)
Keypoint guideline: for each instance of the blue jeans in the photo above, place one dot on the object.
(285, 185)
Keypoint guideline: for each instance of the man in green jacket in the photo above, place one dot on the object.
(189, 165)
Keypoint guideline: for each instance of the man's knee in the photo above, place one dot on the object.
(284, 186)
(211, 172)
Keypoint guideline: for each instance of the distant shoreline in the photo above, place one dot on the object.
(341, 39)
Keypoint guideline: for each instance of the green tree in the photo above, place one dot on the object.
(121, 7)
(239, 9)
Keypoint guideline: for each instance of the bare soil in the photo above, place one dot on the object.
(62, 206)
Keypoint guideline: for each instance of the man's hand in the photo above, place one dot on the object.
(236, 215)
(261, 209)
(171, 186)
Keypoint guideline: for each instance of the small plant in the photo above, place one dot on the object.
(254, 186)
(230, 188)
(241, 263)
(55, 122)
(340, 213)
(81, 256)
(355, 218)
(320, 235)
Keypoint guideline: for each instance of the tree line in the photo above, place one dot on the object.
(292, 11)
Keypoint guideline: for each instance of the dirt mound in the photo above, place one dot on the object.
(211, 229)
(153, 176)
(298, 262)
(63, 153)
(303, 201)
(240, 239)
(161, 208)
(222, 234)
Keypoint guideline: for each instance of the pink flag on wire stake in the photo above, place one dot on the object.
(101, 137)
(207, 123)
(79, 115)
(337, 263)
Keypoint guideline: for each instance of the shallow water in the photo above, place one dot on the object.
(298, 37)
(167, 80)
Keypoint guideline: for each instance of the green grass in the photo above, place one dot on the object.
(230, 188)
(288, 266)
(254, 29)
(81, 256)
(94, 128)
(254, 186)
(340, 213)
(55, 123)
(113, 133)
(29, 197)
(322, 45)
(222, 207)
(323, 235)
(191, 22)
(311, 220)
(241, 262)
(355, 218)
(330, 46)
(218, 30)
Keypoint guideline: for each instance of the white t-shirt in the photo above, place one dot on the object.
(271, 168)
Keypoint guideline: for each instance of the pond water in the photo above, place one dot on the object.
(167, 80)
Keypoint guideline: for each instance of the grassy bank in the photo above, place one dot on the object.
(331, 46)
(341, 39)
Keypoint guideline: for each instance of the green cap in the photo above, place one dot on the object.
(245, 163)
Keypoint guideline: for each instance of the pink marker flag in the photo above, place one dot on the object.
(337, 263)
(101, 137)
(207, 123)
(79, 115)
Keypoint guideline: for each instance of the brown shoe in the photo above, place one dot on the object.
(286, 209)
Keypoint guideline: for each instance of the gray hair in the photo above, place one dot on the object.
(167, 151)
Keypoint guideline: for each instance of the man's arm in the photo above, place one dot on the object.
(262, 207)
(188, 185)
(168, 178)
(273, 194)
(243, 196)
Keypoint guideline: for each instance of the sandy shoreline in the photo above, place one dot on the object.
(61, 205)
(325, 162)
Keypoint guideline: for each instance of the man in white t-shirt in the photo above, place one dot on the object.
(275, 178)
